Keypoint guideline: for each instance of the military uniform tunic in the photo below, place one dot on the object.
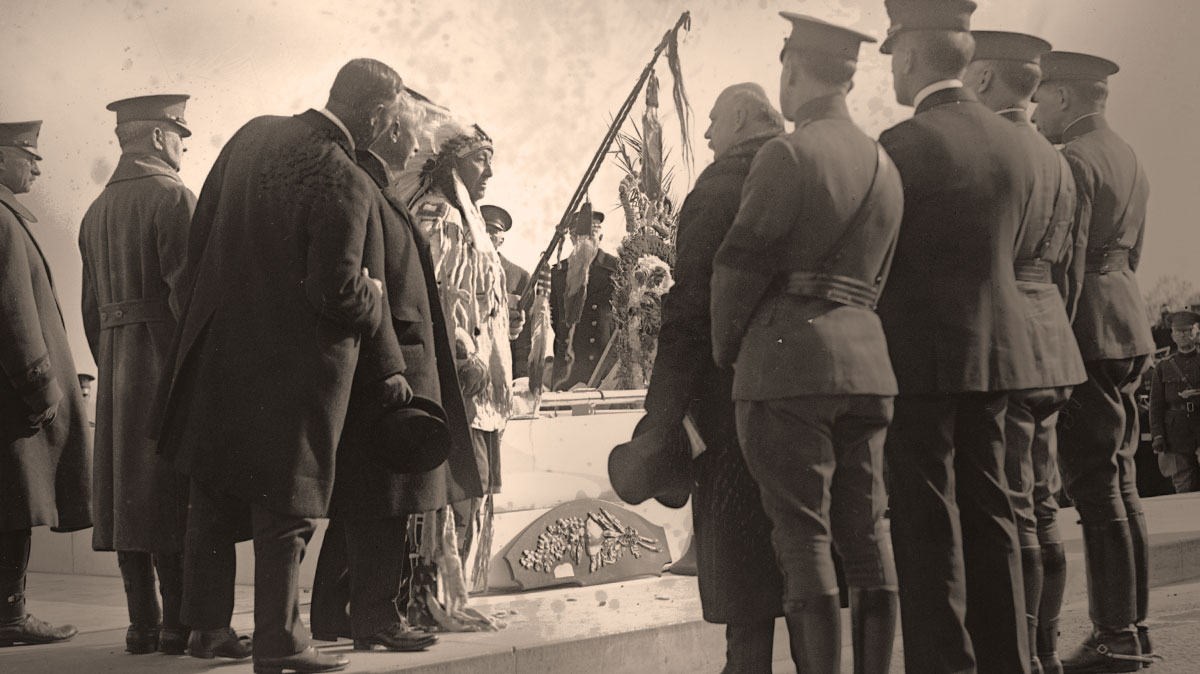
(793, 291)
(1176, 420)
(578, 348)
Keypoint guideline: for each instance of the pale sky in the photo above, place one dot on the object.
(542, 77)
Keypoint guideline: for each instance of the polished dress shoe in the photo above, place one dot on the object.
(222, 642)
(141, 639)
(30, 630)
(397, 637)
(306, 661)
(173, 641)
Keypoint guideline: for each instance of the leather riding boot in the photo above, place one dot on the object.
(1054, 585)
(1113, 645)
(873, 614)
(1031, 573)
(137, 573)
(173, 638)
(748, 647)
(815, 636)
(1141, 576)
(16, 625)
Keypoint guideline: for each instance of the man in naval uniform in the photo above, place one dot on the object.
(1098, 429)
(581, 289)
(794, 289)
(1004, 73)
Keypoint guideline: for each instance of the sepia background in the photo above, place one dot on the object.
(542, 77)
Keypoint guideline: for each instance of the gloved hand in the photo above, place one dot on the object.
(472, 376)
(393, 391)
(1159, 444)
(44, 418)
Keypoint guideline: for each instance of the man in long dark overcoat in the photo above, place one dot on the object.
(362, 557)
(953, 316)
(1004, 73)
(45, 442)
(1098, 429)
(740, 585)
(276, 302)
(133, 242)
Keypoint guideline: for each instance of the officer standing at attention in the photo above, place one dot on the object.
(1004, 73)
(950, 313)
(516, 280)
(794, 289)
(1098, 430)
(133, 243)
(1175, 406)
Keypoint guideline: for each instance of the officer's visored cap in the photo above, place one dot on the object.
(584, 219)
(1000, 45)
(1066, 65)
(23, 135)
(494, 216)
(909, 15)
(812, 34)
(1182, 320)
(153, 108)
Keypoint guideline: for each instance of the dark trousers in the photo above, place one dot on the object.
(210, 565)
(961, 591)
(358, 577)
(14, 562)
(1098, 436)
(138, 570)
(818, 461)
(1031, 462)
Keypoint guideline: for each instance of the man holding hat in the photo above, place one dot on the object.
(581, 289)
(276, 303)
(948, 312)
(45, 441)
(516, 280)
(1099, 436)
(1175, 406)
(740, 584)
(133, 242)
(794, 289)
(1004, 73)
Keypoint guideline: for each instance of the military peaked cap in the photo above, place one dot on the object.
(909, 15)
(1066, 65)
(23, 135)
(1184, 319)
(812, 34)
(153, 108)
(999, 45)
(497, 217)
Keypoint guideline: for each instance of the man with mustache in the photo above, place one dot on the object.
(581, 289)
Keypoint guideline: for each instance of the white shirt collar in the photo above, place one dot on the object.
(1080, 119)
(934, 88)
(334, 118)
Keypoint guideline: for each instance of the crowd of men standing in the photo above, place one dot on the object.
(957, 298)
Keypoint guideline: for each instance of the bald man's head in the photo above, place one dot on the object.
(742, 111)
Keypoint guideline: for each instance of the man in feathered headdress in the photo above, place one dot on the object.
(473, 295)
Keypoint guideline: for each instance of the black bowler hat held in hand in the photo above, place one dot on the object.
(413, 438)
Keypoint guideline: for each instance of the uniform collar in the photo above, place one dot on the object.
(932, 88)
(134, 166)
(1090, 122)
(832, 106)
(9, 199)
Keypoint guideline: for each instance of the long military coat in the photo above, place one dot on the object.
(133, 242)
(1112, 192)
(954, 318)
(414, 342)
(739, 580)
(1050, 271)
(575, 359)
(44, 473)
(275, 305)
